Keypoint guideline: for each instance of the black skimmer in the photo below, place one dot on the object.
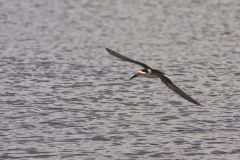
(153, 73)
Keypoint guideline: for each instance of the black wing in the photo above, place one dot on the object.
(176, 89)
(126, 58)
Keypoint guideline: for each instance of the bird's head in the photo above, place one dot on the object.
(139, 73)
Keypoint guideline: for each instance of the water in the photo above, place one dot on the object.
(63, 96)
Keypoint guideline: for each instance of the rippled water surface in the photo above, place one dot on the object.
(62, 96)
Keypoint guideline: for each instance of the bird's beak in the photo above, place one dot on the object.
(136, 75)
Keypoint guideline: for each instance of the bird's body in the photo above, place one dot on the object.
(154, 73)
(149, 73)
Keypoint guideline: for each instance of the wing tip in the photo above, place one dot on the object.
(196, 103)
(199, 104)
(193, 101)
(109, 50)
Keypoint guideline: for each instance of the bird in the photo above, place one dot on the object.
(154, 73)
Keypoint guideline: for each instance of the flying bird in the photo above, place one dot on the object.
(153, 73)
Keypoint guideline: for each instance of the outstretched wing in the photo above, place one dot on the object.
(176, 89)
(126, 58)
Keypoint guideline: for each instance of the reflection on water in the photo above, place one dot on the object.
(63, 97)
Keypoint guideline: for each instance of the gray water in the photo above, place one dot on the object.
(62, 96)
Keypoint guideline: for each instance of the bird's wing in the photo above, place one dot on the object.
(176, 89)
(126, 58)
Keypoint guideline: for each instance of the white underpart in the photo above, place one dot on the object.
(148, 74)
